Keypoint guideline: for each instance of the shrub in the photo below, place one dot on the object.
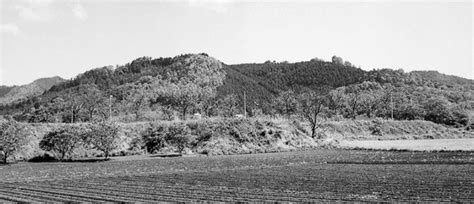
(180, 136)
(376, 127)
(62, 141)
(159, 135)
(12, 138)
(154, 138)
(103, 137)
(42, 158)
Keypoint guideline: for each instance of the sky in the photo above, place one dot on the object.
(44, 38)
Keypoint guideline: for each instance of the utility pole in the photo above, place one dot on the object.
(245, 106)
(72, 113)
(110, 107)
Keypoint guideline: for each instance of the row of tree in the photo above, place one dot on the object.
(371, 99)
(102, 136)
(61, 142)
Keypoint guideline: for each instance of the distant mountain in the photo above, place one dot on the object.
(5, 89)
(21, 93)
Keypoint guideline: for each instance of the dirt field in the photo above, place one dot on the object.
(418, 145)
(319, 175)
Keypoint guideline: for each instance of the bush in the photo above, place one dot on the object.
(154, 138)
(180, 136)
(160, 135)
(376, 127)
(63, 141)
(12, 138)
(103, 137)
(42, 158)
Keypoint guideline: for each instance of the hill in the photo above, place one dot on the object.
(5, 89)
(262, 83)
(443, 79)
(21, 93)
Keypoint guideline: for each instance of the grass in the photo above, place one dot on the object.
(258, 135)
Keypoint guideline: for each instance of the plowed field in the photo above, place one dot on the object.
(319, 175)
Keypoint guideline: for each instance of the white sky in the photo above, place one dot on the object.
(43, 38)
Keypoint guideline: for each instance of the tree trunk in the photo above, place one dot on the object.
(184, 112)
(313, 130)
(91, 114)
(5, 155)
(137, 115)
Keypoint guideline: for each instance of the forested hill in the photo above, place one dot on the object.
(443, 79)
(262, 83)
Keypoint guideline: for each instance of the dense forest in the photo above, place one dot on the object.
(177, 87)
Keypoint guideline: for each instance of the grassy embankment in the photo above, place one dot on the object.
(218, 136)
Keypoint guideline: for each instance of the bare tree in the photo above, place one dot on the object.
(311, 107)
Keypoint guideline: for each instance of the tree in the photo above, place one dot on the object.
(337, 60)
(12, 137)
(72, 101)
(136, 99)
(160, 135)
(286, 103)
(371, 94)
(337, 101)
(228, 106)
(353, 99)
(347, 64)
(438, 111)
(183, 96)
(311, 108)
(93, 101)
(62, 141)
(103, 137)
(316, 59)
(155, 137)
(180, 136)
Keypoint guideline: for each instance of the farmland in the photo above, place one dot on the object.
(466, 144)
(315, 175)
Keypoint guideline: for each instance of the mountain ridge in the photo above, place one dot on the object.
(37, 87)
(261, 82)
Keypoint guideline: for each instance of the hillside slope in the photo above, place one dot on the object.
(5, 89)
(37, 87)
(443, 79)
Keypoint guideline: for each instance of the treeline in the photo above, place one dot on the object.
(372, 99)
(61, 142)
